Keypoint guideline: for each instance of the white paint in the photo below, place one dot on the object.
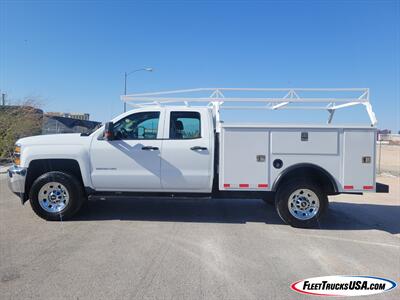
(240, 146)
(184, 169)
(122, 165)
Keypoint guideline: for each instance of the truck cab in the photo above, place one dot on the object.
(159, 150)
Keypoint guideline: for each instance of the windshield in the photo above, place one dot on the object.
(90, 131)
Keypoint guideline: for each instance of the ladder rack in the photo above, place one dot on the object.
(267, 98)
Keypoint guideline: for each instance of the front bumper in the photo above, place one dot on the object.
(16, 180)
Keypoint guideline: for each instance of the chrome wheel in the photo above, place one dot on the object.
(53, 197)
(303, 204)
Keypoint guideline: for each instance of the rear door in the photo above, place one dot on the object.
(187, 151)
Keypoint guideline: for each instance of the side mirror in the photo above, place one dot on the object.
(109, 131)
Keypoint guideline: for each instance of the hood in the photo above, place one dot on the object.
(54, 139)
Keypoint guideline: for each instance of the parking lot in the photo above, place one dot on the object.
(193, 249)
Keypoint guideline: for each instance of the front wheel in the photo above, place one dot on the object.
(56, 196)
(300, 203)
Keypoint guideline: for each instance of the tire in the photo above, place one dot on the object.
(56, 196)
(300, 203)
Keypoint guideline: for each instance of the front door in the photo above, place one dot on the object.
(130, 162)
(186, 156)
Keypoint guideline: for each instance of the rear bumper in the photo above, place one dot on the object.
(16, 180)
(382, 188)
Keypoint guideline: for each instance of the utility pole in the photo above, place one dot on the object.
(126, 74)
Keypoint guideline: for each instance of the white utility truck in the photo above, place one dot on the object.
(174, 144)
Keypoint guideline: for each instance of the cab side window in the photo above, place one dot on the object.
(139, 126)
(184, 125)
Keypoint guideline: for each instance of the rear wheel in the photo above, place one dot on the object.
(56, 196)
(300, 203)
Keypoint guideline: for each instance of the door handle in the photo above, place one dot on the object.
(198, 148)
(149, 148)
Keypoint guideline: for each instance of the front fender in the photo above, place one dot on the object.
(74, 152)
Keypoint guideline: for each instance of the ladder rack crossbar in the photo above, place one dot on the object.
(309, 98)
(239, 99)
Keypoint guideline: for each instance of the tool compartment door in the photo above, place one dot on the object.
(244, 159)
(359, 160)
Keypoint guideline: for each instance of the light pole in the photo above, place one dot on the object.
(129, 73)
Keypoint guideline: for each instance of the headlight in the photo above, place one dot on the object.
(17, 155)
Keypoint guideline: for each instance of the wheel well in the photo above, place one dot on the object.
(310, 172)
(40, 166)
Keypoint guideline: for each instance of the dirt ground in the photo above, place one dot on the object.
(388, 159)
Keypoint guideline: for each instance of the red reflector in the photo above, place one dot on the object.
(226, 185)
(244, 185)
(262, 185)
(348, 187)
(368, 187)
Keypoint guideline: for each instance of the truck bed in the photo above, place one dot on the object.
(248, 153)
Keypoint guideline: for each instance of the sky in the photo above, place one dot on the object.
(71, 55)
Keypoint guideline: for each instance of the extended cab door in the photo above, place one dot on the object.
(130, 162)
(187, 150)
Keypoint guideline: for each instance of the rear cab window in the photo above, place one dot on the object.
(184, 125)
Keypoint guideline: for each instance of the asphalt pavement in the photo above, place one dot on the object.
(192, 249)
